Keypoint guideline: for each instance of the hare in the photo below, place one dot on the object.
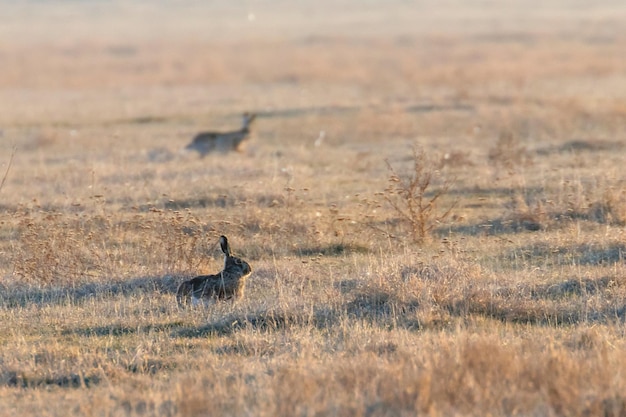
(207, 142)
(225, 285)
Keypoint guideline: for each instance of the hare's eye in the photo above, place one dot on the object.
(238, 261)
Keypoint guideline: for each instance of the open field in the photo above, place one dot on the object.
(514, 303)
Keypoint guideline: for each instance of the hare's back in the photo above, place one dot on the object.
(204, 137)
(204, 280)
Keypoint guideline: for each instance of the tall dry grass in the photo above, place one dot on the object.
(513, 305)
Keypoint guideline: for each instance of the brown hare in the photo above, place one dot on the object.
(223, 142)
(225, 285)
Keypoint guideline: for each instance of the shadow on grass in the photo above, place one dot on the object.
(375, 307)
(335, 249)
(583, 145)
(430, 108)
(121, 330)
(484, 197)
(523, 222)
(557, 304)
(336, 110)
(21, 297)
(384, 309)
(542, 254)
(540, 315)
(11, 378)
(306, 111)
(265, 320)
(16, 379)
(221, 198)
(573, 287)
(495, 227)
(371, 303)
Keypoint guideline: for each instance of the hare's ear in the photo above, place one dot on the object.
(248, 118)
(224, 245)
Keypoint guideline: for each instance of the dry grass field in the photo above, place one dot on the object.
(433, 203)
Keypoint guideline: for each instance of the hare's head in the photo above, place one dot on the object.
(248, 118)
(233, 264)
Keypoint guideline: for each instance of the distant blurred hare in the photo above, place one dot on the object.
(227, 284)
(207, 142)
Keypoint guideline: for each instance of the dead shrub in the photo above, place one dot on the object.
(415, 197)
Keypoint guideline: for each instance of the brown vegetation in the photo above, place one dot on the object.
(513, 303)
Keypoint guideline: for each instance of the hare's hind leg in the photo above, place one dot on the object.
(202, 302)
(184, 294)
(195, 301)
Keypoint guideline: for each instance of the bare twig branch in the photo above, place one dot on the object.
(6, 173)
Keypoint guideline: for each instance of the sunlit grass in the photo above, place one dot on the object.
(512, 305)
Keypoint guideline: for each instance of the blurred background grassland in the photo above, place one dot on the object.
(433, 202)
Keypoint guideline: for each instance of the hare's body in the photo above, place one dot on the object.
(225, 285)
(222, 286)
(207, 142)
